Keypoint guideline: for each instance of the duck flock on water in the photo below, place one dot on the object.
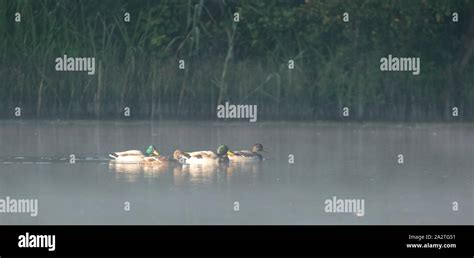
(223, 155)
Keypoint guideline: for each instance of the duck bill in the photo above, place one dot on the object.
(230, 153)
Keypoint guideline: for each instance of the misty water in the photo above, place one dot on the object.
(350, 161)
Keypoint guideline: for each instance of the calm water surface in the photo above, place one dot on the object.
(355, 161)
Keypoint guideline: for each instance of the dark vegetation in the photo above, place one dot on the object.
(336, 63)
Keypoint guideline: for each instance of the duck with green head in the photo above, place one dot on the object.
(203, 157)
(253, 155)
(135, 156)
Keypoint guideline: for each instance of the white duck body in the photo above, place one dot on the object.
(127, 157)
(200, 157)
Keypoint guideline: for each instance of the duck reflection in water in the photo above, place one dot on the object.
(132, 172)
(215, 174)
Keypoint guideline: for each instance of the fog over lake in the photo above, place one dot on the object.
(346, 160)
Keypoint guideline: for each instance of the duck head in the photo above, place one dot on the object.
(222, 150)
(257, 147)
(151, 151)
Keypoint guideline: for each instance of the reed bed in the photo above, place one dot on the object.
(336, 64)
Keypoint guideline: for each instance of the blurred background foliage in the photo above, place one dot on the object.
(336, 63)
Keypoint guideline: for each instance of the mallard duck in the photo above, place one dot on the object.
(247, 155)
(203, 157)
(135, 156)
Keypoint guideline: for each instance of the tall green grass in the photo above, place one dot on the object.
(244, 63)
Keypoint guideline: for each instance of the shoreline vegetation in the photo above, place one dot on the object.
(336, 63)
